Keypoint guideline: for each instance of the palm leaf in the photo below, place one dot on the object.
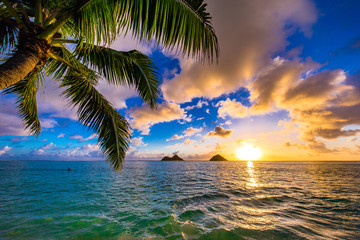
(175, 24)
(8, 34)
(26, 101)
(125, 68)
(99, 115)
(62, 60)
(96, 22)
(180, 24)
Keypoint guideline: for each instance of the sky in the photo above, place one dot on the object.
(287, 82)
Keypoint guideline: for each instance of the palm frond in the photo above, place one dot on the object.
(26, 101)
(96, 22)
(124, 68)
(99, 115)
(62, 60)
(175, 24)
(8, 33)
(181, 24)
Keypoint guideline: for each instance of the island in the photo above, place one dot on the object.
(218, 157)
(174, 158)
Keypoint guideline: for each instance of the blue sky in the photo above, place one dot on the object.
(286, 83)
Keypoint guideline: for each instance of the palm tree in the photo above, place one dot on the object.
(69, 40)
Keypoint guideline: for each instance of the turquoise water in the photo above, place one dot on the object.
(180, 200)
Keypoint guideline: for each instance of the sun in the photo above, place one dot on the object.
(248, 152)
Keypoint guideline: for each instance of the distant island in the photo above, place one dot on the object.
(218, 157)
(174, 158)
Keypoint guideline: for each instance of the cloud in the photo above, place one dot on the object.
(127, 42)
(175, 137)
(20, 139)
(75, 136)
(203, 156)
(320, 104)
(47, 146)
(200, 104)
(92, 136)
(117, 95)
(4, 150)
(131, 148)
(84, 153)
(10, 123)
(42, 149)
(37, 152)
(90, 148)
(187, 133)
(249, 33)
(48, 123)
(145, 155)
(82, 139)
(191, 131)
(228, 122)
(219, 132)
(173, 146)
(274, 80)
(61, 135)
(188, 141)
(315, 146)
(51, 101)
(138, 141)
(142, 118)
(231, 108)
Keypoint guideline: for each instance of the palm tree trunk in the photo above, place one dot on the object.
(30, 54)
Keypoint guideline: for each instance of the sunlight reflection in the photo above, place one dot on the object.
(251, 183)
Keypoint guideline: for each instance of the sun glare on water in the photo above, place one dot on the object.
(248, 152)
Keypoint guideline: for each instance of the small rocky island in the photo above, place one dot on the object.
(218, 157)
(174, 158)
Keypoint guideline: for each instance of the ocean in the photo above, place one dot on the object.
(180, 200)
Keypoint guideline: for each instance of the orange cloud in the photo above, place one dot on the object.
(188, 141)
(187, 133)
(175, 137)
(191, 131)
(143, 117)
(231, 108)
(320, 104)
(219, 132)
(200, 104)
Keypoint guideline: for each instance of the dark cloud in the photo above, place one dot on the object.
(220, 132)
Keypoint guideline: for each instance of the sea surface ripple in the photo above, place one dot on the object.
(180, 200)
